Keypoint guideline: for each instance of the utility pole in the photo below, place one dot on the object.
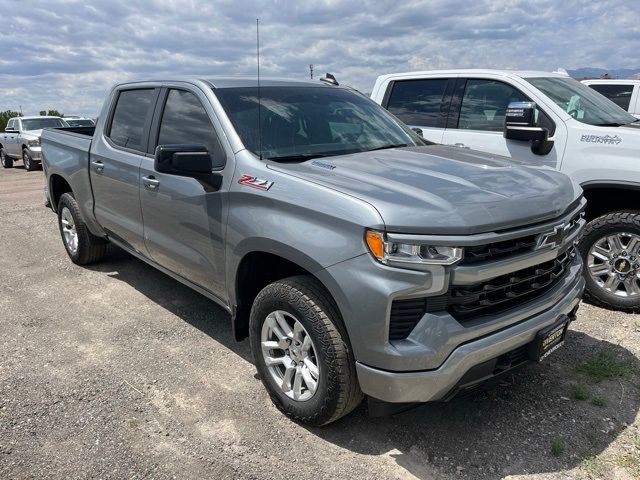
(20, 109)
(311, 70)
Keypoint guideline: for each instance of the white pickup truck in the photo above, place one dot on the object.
(624, 93)
(548, 119)
(21, 140)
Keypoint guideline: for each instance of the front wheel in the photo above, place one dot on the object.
(29, 164)
(610, 248)
(303, 359)
(82, 246)
(6, 161)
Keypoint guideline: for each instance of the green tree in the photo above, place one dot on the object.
(43, 113)
(5, 116)
(54, 113)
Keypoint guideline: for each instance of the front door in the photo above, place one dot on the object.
(183, 216)
(11, 139)
(479, 123)
(115, 166)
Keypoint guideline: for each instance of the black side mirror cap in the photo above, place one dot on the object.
(185, 160)
(520, 123)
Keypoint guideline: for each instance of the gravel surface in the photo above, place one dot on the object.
(118, 371)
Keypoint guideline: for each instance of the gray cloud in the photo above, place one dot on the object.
(66, 54)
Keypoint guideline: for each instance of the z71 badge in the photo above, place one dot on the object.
(251, 181)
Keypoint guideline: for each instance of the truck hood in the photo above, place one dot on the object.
(32, 133)
(443, 190)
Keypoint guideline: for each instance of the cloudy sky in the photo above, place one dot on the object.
(66, 54)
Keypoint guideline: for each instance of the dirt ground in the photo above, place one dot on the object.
(118, 371)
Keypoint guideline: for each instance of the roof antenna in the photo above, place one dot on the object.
(330, 79)
(259, 100)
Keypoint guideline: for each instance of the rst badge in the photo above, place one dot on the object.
(255, 182)
(554, 238)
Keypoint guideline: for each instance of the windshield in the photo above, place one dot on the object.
(40, 123)
(307, 122)
(581, 102)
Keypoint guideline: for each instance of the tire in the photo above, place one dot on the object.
(306, 301)
(6, 162)
(29, 164)
(87, 248)
(612, 267)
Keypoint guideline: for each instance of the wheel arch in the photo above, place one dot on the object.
(606, 197)
(58, 185)
(258, 268)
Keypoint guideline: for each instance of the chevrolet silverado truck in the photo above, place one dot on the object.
(357, 258)
(21, 140)
(547, 119)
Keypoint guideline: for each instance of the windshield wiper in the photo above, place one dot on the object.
(298, 158)
(384, 147)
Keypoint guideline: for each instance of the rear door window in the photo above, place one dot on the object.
(419, 102)
(131, 118)
(618, 94)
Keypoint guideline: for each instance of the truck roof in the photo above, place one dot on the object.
(34, 117)
(478, 71)
(234, 81)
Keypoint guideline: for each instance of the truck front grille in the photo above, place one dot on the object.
(503, 292)
(465, 302)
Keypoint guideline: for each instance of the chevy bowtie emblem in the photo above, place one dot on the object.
(554, 238)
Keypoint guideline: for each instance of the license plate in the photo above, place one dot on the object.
(549, 340)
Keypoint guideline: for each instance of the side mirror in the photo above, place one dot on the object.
(185, 160)
(418, 131)
(520, 123)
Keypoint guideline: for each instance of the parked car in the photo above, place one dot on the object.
(562, 124)
(21, 140)
(624, 93)
(356, 258)
(75, 121)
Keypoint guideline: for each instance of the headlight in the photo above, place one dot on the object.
(410, 255)
(34, 143)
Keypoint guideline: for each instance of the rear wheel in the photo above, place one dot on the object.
(29, 164)
(304, 361)
(82, 246)
(6, 161)
(610, 248)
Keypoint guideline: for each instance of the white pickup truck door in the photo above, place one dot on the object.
(480, 122)
(11, 138)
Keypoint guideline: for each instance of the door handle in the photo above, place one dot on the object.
(150, 182)
(99, 166)
(460, 145)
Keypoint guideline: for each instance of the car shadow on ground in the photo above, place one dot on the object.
(175, 297)
(533, 422)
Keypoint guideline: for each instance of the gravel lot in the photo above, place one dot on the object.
(118, 371)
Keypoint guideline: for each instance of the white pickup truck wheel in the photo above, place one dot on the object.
(82, 246)
(610, 248)
(6, 161)
(302, 358)
(29, 164)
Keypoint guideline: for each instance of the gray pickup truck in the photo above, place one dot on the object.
(357, 258)
(21, 140)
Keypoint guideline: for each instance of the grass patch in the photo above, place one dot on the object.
(599, 402)
(557, 446)
(605, 364)
(580, 392)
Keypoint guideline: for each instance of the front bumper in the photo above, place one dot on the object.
(35, 153)
(437, 384)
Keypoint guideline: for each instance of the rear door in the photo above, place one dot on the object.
(183, 216)
(421, 103)
(476, 121)
(115, 165)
